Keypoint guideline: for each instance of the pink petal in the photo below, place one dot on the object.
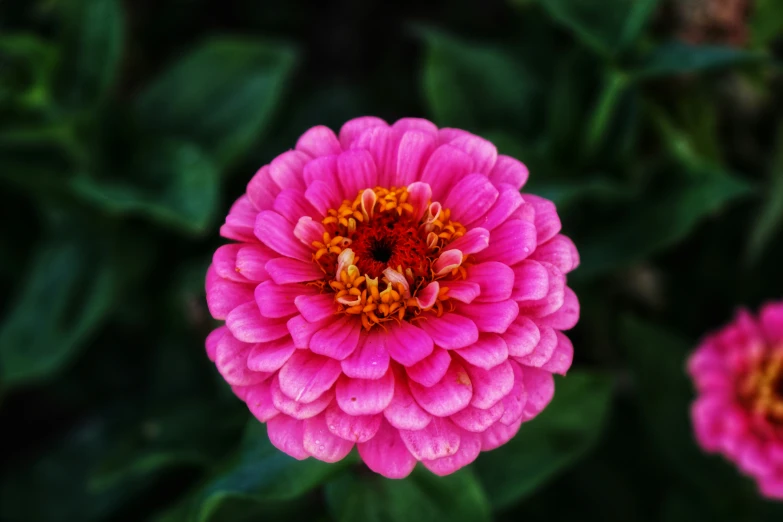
(495, 280)
(415, 149)
(339, 339)
(506, 205)
(298, 409)
(772, 487)
(275, 300)
(287, 435)
(490, 386)
(489, 351)
(355, 127)
(386, 454)
(370, 360)
(547, 220)
(306, 376)
(321, 443)
(212, 341)
(562, 357)
(270, 357)
(419, 124)
(252, 260)
(540, 386)
(319, 141)
(382, 143)
(514, 403)
(225, 262)
(223, 295)
(240, 221)
(483, 152)
(286, 170)
(355, 428)
(440, 438)
(449, 331)
(357, 171)
(427, 296)
(477, 420)
(365, 396)
(403, 411)
(315, 307)
(444, 169)
(322, 196)
(262, 190)
(431, 369)
(522, 337)
(231, 362)
(277, 233)
(452, 393)
(447, 135)
(531, 281)
(292, 205)
(323, 169)
(408, 344)
(302, 330)
(554, 299)
(771, 320)
(470, 198)
(259, 401)
(510, 243)
(510, 171)
(463, 291)
(247, 325)
(559, 251)
(475, 240)
(491, 317)
(565, 317)
(498, 434)
(284, 271)
(448, 261)
(308, 231)
(469, 449)
(543, 350)
(419, 196)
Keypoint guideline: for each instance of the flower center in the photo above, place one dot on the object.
(762, 389)
(381, 255)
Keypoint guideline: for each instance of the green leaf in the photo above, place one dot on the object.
(70, 288)
(91, 40)
(569, 192)
(564, 432)
(475, 87)
(607, 27)
(680, 58)
(26, 68)
(220, 96)
(652, 225)
(262, 473)
(770, 219)
(179, 187)
(658, 360)
(420, 496)
(766, 22)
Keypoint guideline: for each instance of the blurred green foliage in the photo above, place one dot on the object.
(128, 128)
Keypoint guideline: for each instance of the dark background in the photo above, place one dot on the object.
(127, 128)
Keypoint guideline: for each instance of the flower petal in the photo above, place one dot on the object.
(490, 386)
(477, 420)
(489, 351)
(223, 295)
(231, 361)
(240, 221)
(247, 325)
(491, 317)
(514, 403)
(440, 438)
(323, 444)
(483, 152)
(382, 143)
(338, 340)
(292, 205)
(284, 270)
(365, 396)
(562, 357)
(522, 337)
(277, 233)
(408, 344)
(510, 171)
(298, 409)
(559, 251)
(252, 260)
(355, 428)
(506, 205)
(302, 330)
(431, 369)
(306, 376)
(554, 299)
(212, 341)
(259, 401)
(315, 307)
(319, 141)
(386, 453)
(469, 449)
(414, 150)
(547, 221)
(565, 317)
(540, 386)
(498, 434)
(271, 356)
(225, 262)
(403, 411)
(475, 240)
(450, 331)
(275, 300)
(370, 360)
(286, 170)
(495, 280)
(262, 190)
(322, 196)
(470, 198)
(543, 350)
(449, 395)
(355, 127)
(771, 321)
(357, 171)
(287, 435)
(444, 169)
(419, 124)
(462, 291)
(510, 243)
(531, 281)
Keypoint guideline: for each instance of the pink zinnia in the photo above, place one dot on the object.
(738, 374)
(390, 289)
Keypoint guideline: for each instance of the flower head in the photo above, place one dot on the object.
(738, 374)
(391, 289)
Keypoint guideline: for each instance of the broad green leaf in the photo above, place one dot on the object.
(220, 96)
(475, 87)
(545, 446)
(654, 224)
(91, 40)
(178, 186)
(680, 58)
(420, 496)
(658, 360)
(70, 287)
(770, 219)
(26, 68)
(766, 22)
(261, 473)
(607, 27)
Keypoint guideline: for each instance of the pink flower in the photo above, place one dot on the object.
(738, 375)
(390, 289)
